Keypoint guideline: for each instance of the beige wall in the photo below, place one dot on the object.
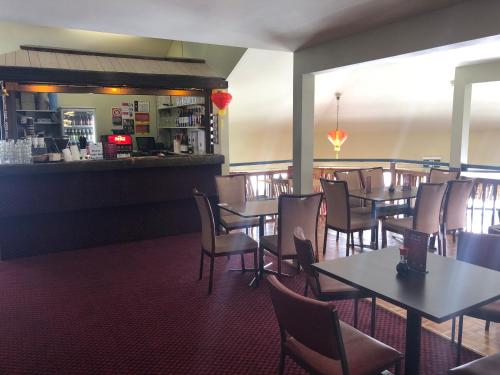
(260, 123)
(103, 104)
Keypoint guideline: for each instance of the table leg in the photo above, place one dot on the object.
(262, 223)
(412, 351)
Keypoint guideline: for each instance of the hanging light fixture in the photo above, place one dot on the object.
(338, 136)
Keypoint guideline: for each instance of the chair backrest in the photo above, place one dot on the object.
(207, 221)
(231, 189)
(440, 176)
(281, 186)
(313, 323)
(376, 175)
(428, 207)
(297, 211)
(338, 210)
(479, 249)
(455, 203)
(354, 182)
(306, 257)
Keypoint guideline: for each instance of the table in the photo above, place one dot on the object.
(449, 289)
(380, 195)
(258, 208)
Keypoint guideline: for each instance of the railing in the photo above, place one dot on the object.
(483, 209)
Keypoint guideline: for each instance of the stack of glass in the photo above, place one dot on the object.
(15, 152)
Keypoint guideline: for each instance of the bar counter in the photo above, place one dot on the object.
(53, 207)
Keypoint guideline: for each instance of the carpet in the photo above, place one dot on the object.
(138, 308)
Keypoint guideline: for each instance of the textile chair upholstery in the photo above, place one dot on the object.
(339, 215)
(354, 182)
(489, 365)
(326, 288)
(233, 189)
(293, 211)
(216, 246)
(455, 208)
(426, 216)
(376, 175)
(314, 337)
(441, 176)
(482, 250)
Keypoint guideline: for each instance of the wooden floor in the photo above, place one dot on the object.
(474, 335)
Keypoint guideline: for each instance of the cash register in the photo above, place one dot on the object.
(147, 146)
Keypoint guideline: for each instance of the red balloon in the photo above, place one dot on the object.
(221, 99)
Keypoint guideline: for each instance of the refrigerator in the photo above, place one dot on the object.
(78, 122)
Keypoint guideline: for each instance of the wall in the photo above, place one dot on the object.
(260, 114)
(103, 104)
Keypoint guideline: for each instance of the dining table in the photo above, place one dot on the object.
(379, 196)
(448, 289)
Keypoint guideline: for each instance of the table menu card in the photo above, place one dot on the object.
(416, 243)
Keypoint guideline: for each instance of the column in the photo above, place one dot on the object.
(460, 123)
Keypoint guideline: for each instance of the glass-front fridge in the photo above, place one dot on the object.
(78, 122)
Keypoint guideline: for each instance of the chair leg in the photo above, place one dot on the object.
(360, 234)
(256, 268)
(242, 263)
(261, 262)
(459, 339)
(281, 370)
(352, 242)
(454, 234)
(487, 325)
(453, 325)
(384, 237)
(356, 303)
(325, 240)
(347, 245)
(373, 321)
(338, 236)
(444, 239)
(440, 247)
(201, 265)
(211, 280)
(306, 289)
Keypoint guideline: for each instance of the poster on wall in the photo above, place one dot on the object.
(127, 111)
(142, 122)
(116, 117)
(128, 126)
(141, 106)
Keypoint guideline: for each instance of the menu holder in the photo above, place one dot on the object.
(416, 243)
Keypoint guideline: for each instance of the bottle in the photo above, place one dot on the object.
(184, 144)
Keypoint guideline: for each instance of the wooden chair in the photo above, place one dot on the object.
(217, 246)
(282, 186)
(441, 176)
(454, 215)
(314, 337)
(339, 215)
(482, 250)
(489, 365)
(326, 288)
(293, 211)
(426, 217)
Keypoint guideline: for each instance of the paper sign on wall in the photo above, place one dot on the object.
(116, 116)
(142, 122)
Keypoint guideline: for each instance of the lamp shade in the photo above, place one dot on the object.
(337, 138)
(221, 99)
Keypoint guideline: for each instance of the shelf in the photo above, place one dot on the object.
(179, 127)
(42, 123)
(179, 106)
(37, 110)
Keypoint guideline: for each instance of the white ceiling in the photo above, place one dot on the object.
(277, 24)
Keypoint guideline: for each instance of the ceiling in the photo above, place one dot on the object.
(279, 24)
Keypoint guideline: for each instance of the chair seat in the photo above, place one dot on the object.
(237, 222)
(270, 243)
(494, 229)
(365, 355)
(361, 210)
(332, 289)
(362, 221)
(491, 311)
(234, 243)
(483, 366)
(398, 225)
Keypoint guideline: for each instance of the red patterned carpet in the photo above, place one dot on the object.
(138, 308)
